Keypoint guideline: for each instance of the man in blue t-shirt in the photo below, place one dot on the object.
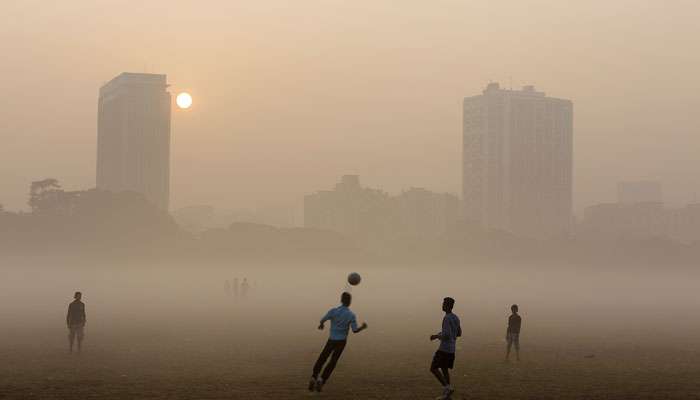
(342, 319)
(444, 357)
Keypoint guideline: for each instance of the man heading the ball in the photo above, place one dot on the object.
(342, 319)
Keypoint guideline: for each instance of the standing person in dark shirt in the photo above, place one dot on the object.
(444, 357)
(75, 319)
(244, 288)
(227, 288)
(513, 332)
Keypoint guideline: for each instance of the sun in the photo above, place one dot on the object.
(184, 100)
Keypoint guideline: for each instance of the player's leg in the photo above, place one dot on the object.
(337, 351)
(71, 338)
(448, 390)
(509, 339)
(80, 335)
(516, 342)
(439, 376)
(446, 375)
(435, 369)
(327, 349)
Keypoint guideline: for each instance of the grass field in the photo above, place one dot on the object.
(164, 340)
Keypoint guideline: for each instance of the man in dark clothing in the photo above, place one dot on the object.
(444, 357)
(513, 332)
(244, 288)
(75, 319)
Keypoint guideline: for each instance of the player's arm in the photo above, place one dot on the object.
(324, 319)
(438, 336)
(83, 315)
(68, 316)
(355, 328)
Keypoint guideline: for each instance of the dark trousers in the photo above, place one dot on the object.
(333, 348)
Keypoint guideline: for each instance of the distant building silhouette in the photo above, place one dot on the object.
(642, 220)
(358, 211)
(426, 213)
(647, 219)
(349, 209)
(517, 161)
(202, 217)
(133, 136)
(630, 192)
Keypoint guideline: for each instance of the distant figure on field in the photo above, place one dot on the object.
(341, 320)
(244, 288)
(235, 288)
(227, 288)
(444, 357)
(75, 319)
(513, 332)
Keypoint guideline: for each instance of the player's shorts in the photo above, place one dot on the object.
(76, 330)
(443, 359)
(514, 340)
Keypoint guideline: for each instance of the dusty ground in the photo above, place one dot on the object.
(164, 342)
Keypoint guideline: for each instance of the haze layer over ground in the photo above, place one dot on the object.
(155, 332)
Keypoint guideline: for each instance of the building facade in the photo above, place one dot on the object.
(425, 213)
(630, 192)
(642, 220)
(133, 136)
(518, 161)
(361, 212)
(349, 209)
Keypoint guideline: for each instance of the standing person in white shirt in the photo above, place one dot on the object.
(342, 319)
(444, 357)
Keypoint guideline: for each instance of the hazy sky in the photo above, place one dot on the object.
(289, 95)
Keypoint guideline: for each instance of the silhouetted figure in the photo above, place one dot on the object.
(235, 288)
(244, 288)
(444, 357)
(341, 320)
(227, 288)
(75, 319)
(513, 332)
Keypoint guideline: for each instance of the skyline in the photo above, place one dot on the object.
(206, 200)
(245, 131)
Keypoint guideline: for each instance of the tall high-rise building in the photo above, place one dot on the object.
(133, 136)
(517, 161)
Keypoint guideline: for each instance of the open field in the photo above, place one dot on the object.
(158, 335)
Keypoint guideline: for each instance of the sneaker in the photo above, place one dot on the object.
(319, 384)
(447, 392)
(312, 384)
